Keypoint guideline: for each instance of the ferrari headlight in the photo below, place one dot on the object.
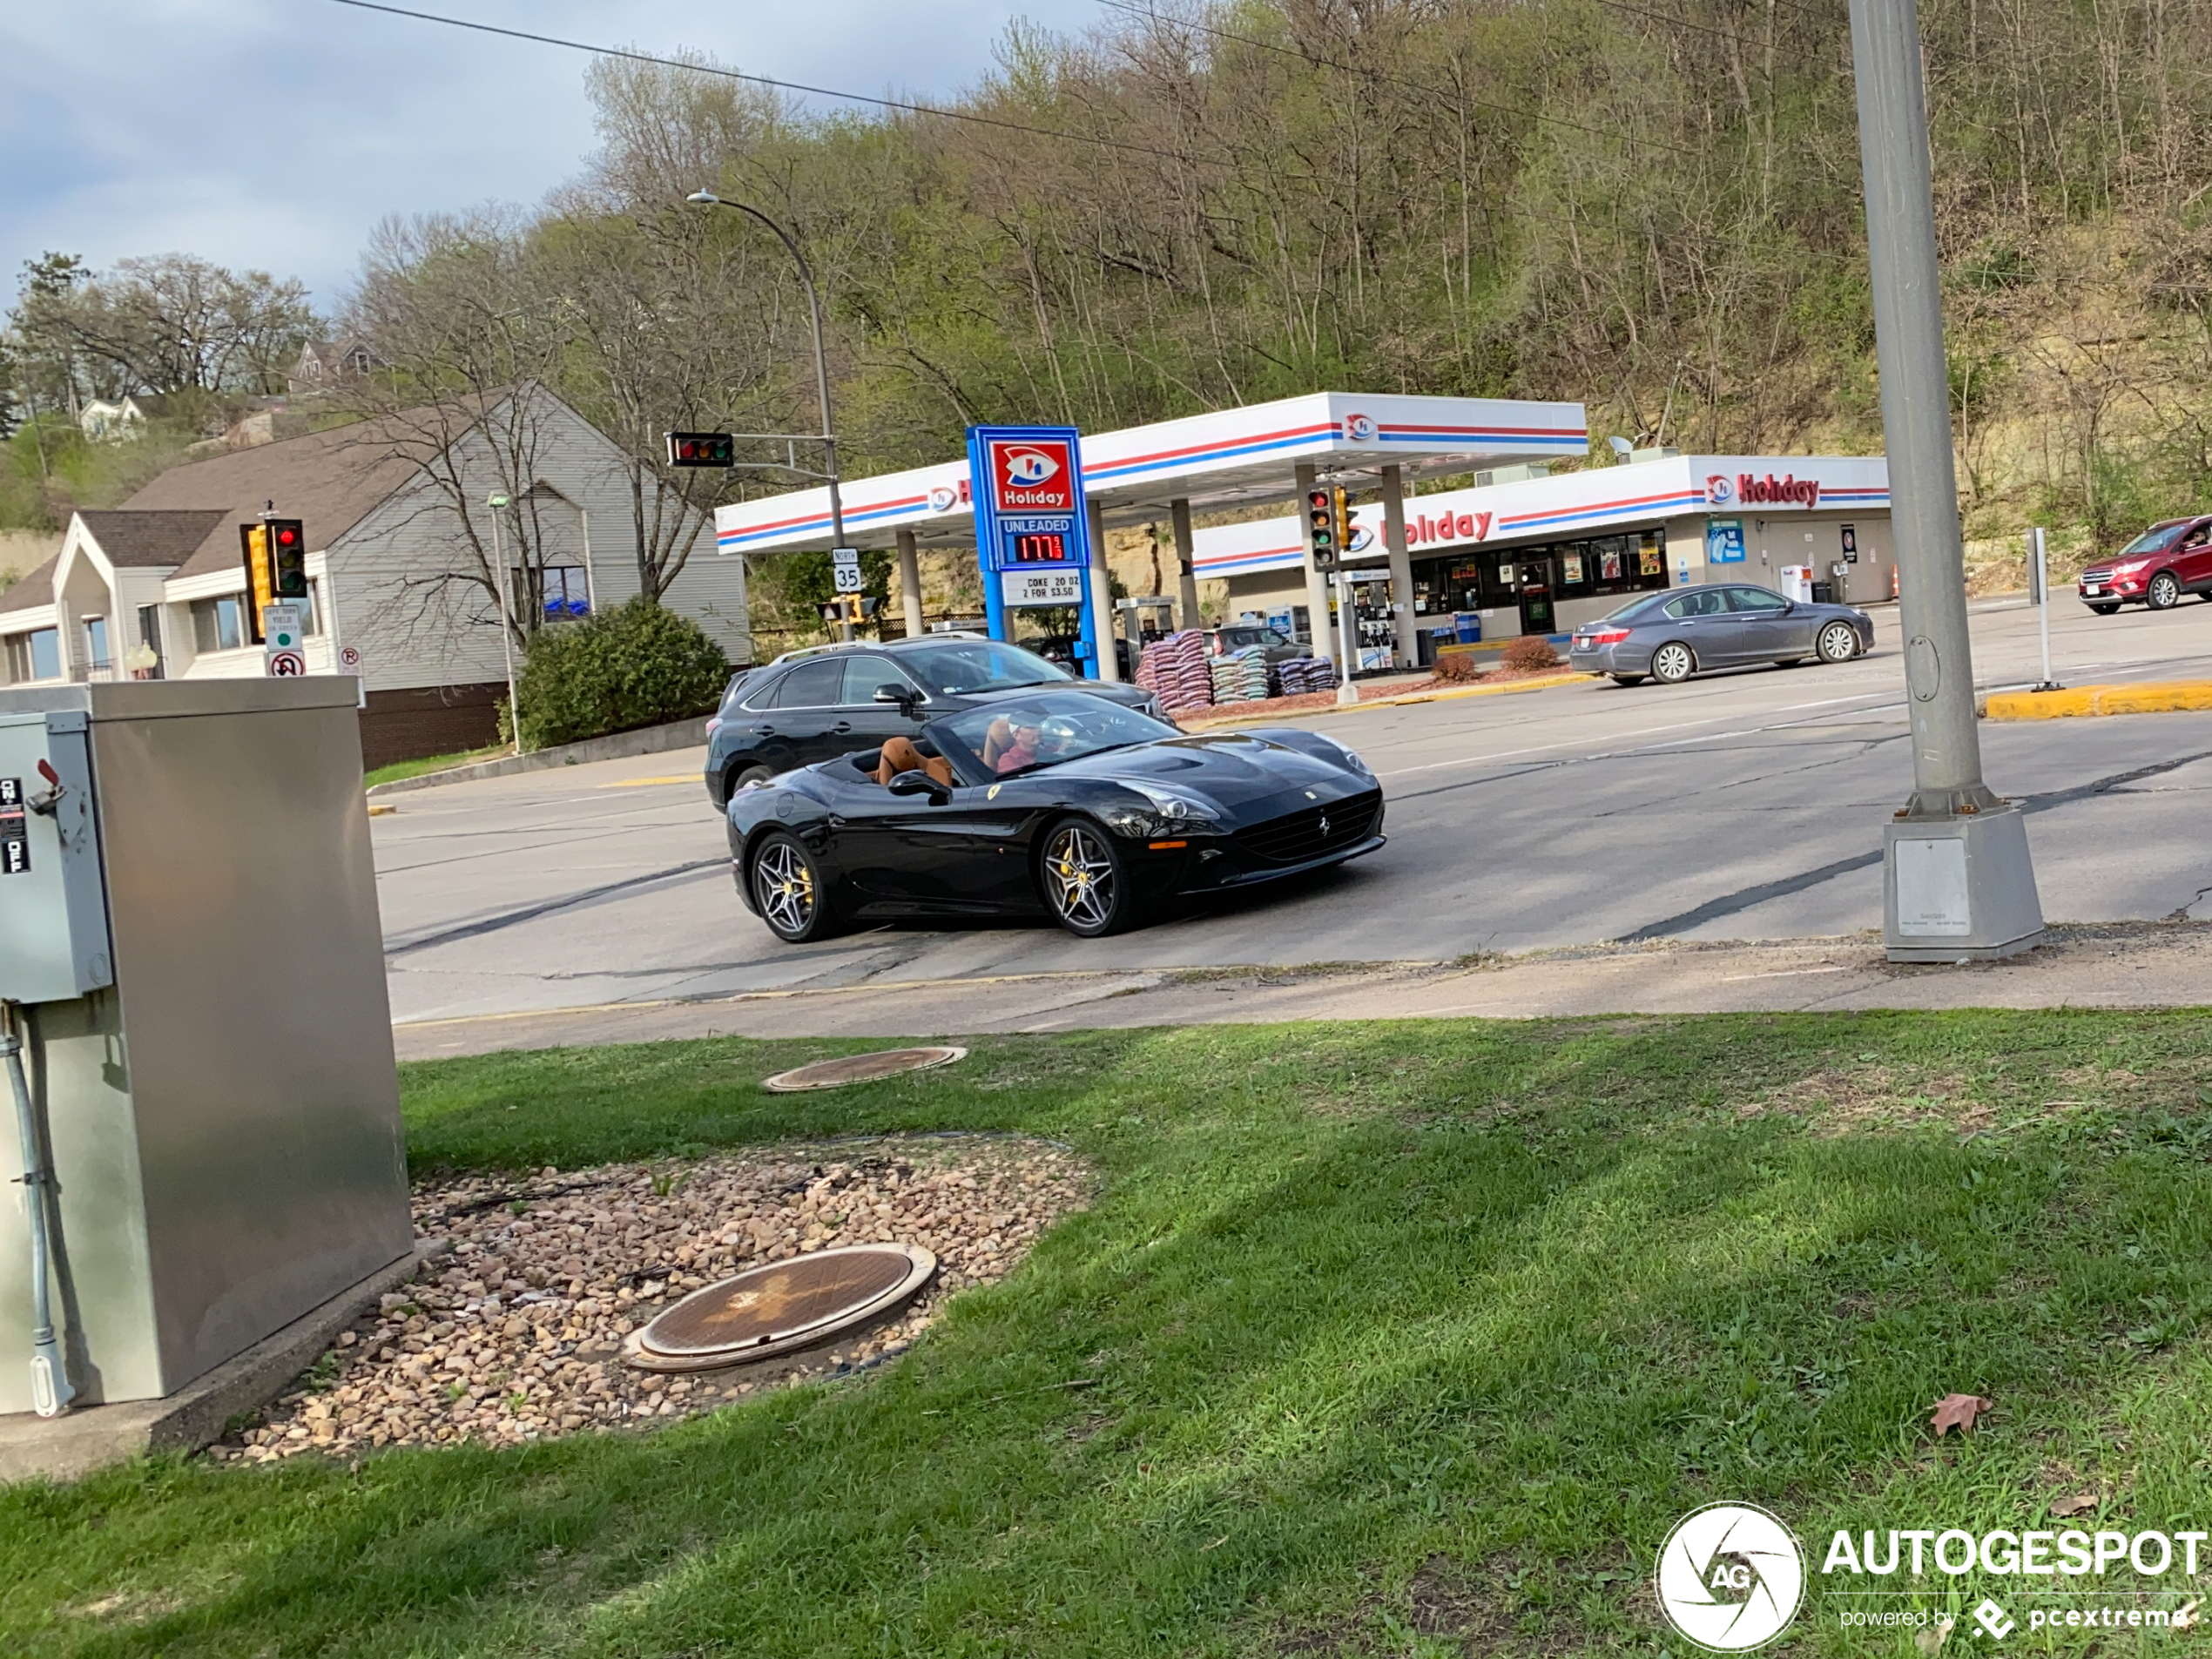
(1164, 813)
(1353, 761)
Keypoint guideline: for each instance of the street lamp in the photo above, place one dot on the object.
(498, 505)
(708, 198)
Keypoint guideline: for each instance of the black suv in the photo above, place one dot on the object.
(815, 705)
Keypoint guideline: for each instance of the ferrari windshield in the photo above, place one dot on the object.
(962, 665)
(1025, 733)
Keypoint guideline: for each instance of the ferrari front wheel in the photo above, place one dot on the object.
(1085, 886)
(787, 890)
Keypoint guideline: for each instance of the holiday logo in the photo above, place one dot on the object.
(1359, 428)
(1032, 475)
(1719, 490)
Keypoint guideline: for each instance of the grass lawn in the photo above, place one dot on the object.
(1407, 1338)
(400, 769)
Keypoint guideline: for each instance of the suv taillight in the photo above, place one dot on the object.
(714, 724)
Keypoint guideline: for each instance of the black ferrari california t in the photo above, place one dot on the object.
(1054, 803)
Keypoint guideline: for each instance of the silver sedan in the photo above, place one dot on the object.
(1669, 636)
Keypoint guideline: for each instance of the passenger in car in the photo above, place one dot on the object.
(899, 755)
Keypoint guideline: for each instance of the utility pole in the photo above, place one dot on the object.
(1959, 883)
(498, 505)
(708, 198)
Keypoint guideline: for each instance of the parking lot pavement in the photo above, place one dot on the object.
(1742, 806)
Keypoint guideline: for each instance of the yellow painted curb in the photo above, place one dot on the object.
(378, 809)
(1542, 684)
(2157, 698)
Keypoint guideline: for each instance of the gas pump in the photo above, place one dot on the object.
(1375, 630)
(1032, 535)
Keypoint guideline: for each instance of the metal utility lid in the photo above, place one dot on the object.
(781, 1306)
(860, 1068)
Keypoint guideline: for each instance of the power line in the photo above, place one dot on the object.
(765, 80)
(1319, 62)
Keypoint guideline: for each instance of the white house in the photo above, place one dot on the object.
(399, 533)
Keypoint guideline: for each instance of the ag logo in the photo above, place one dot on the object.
(1720, 489)
(1029, 466)
(1730, 1576)
(1359, 428)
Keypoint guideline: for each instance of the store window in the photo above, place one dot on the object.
(1594, 568)
(35, 656)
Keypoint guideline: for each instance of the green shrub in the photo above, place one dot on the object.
(636, 666)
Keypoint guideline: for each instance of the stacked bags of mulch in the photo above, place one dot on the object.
(1175, 670)
(1298, 675)
(1240, 676)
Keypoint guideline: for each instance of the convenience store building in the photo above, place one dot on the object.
(1524, 552)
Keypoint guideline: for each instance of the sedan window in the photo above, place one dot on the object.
(812, 686)
(1754, 599)
(1699, 602)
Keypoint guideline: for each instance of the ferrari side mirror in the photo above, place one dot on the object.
(920, 783)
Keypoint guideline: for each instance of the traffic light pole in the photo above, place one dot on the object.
(1959, 882)
(821, 366)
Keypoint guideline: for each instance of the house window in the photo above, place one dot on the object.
(218, 624)
(314, 606)
(35, 656)
(564, 593)
(97, 657)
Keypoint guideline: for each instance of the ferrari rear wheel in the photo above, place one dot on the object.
(787, 890)
(1085, 886)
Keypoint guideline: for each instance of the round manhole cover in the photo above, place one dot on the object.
(861, 1069)
(770, 1309)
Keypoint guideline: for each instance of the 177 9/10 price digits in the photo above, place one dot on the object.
(1041, 547)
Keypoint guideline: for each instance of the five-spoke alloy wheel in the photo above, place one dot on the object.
(1673, 663)
(787, 890)
(1085, 884)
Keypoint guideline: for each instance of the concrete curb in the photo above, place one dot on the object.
(77, 1443)
(2159, 698)
(1541, 684)
(616, 745)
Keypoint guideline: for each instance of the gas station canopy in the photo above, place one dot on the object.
(1234, 457)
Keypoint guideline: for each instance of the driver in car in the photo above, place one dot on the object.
(1011, 744)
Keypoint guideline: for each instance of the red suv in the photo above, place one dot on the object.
(2156, 569)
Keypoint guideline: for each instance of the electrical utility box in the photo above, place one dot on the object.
(188, 921)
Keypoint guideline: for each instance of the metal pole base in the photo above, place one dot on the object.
(1959, 889)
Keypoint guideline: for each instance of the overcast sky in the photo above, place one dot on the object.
(273, 134)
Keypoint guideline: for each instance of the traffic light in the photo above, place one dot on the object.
(702, 449)
(849, 607)
(288, 540)
(1343, 505)
(260, 575)
(1321, 528)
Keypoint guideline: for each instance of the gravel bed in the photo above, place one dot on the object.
(515, 1335)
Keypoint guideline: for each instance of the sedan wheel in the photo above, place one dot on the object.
(1672, 663)
(1839, 643)
(788, 891)
(2165, 591)
(1083, 881)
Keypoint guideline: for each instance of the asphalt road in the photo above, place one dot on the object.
(1748, 806)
